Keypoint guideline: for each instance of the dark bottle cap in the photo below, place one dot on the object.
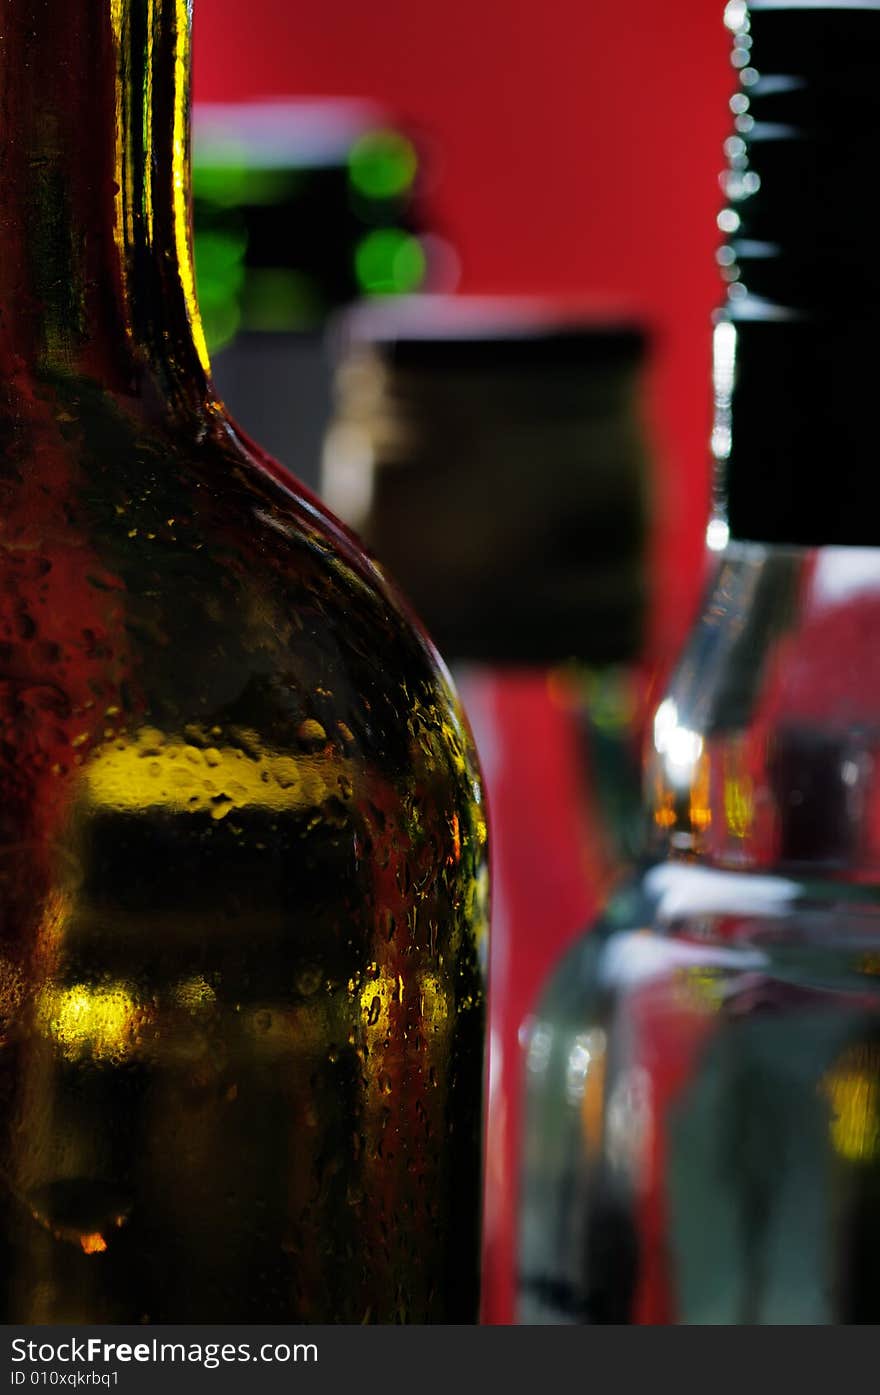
(486, 332)
(490, 452)
(798, 366)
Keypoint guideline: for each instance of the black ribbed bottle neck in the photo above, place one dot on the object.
(802, 183)
(796, 347)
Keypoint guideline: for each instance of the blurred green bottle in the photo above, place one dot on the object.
(301, 206)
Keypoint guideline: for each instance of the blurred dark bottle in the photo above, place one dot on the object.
(300, 207)
(703, 1118)
(242, 842)
(491, 452)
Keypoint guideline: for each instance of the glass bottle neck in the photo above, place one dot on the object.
(96, 277)
(766, 749)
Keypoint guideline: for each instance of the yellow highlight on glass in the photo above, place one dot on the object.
(151, 771)
(180, 184)
(738, 805)
(101, 1023)
(854, 1095)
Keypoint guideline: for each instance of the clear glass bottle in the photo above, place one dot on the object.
(242, 844)
(703, 1112)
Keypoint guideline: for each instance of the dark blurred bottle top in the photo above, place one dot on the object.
(492, 453)
(303, 206)
(466, 330)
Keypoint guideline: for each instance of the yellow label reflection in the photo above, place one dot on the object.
(151, 771)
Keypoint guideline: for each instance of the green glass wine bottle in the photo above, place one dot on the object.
(242, 841)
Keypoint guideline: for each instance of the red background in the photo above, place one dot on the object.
(578, 144)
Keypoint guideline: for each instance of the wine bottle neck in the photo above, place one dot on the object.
(96, 277)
